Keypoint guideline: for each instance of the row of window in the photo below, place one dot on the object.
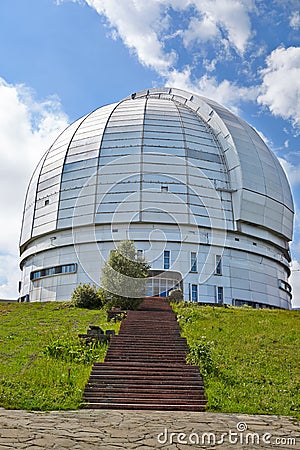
(193, 262)
(56, 270)
(285, 286)
(193, 292)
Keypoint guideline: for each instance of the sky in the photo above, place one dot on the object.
(61, 59)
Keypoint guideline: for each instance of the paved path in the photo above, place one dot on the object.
(113, 430)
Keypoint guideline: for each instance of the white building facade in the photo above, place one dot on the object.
(193, 185)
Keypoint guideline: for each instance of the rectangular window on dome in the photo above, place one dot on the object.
(194, 262)
(167, 259)
(218, 270)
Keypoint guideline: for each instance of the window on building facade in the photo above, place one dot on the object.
(218, 270)
(56, 270)
(194, 292)
(164, 188)
(167, 259)
(285, 286)
(194, 262)
(220, 294)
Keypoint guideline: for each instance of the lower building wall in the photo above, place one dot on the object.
(243, 276)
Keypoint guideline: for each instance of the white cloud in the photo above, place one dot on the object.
(201, 30)
(144, 26)
(27, 128)
(226, 93)
(295, 283)
(295, 20)
(139, 24)
(281, 84)
(230, 18)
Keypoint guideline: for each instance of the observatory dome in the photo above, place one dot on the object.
(192, 184)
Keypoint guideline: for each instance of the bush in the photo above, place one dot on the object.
(176, 295)
(200, 354)
(86, 296)
(73, 350)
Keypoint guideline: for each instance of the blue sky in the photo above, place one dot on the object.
(60, 59)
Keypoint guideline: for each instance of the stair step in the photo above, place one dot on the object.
(142, 387)
(98, 381)
(145, 406)
(145, 366)
(157, 400)
(163, 396)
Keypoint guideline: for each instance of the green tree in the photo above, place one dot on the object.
(123, 281)
(86, 296)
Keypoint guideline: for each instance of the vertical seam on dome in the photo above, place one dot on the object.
(186, 164)
(41, 161)
(257, 153)
(99, 155)
(38, 181)
(142, 162)
(64, 161)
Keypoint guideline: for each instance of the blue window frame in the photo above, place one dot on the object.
(167, 258)
(56, 270)
(194, 292)
(194, 262)
(220, 294)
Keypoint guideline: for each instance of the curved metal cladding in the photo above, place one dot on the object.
(192, 184)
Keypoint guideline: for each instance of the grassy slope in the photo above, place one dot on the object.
(29, 379)
(255, 354)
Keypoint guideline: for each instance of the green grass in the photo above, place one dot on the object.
(249, 358)
(30, 378)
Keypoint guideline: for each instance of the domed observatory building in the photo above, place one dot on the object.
(193, 185)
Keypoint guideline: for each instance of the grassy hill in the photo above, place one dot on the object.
(42, 364)
(249, 358)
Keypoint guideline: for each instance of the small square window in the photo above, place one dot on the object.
(164, 188)
(47, 202)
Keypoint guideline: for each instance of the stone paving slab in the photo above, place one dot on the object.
(120, 429)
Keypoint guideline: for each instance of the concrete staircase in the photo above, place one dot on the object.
(145, 365)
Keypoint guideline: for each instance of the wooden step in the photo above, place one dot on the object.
(145, 366)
